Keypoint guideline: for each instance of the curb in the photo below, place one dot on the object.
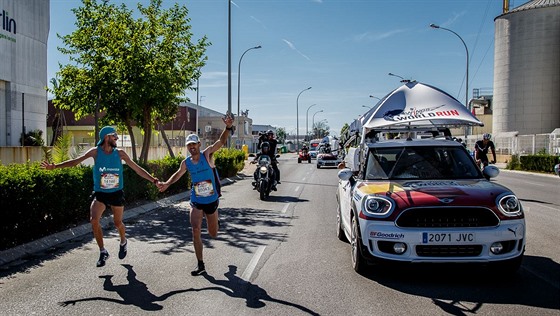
(18, 252)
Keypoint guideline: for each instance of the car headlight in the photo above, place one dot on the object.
(509, 205)
(263, 169)
(374, 205)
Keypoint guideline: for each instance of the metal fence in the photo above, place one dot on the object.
(522, 144)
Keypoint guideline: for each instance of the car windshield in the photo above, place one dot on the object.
(422, 162)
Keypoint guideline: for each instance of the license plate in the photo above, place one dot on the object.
(448, 238)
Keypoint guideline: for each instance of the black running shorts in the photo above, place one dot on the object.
(209, 208)
(109, 199)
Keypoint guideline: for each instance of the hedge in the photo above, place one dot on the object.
(35, 202)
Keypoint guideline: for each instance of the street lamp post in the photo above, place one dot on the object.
(239, 88)
(313, 121)
(297, 118)
(307, 121)
(402, 79)
(434, 26)
(367, 107)
(372, 96)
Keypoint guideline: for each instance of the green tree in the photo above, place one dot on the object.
(281, 134)
(320, 129)
(133, 70)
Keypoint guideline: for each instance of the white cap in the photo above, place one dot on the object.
(192, 138)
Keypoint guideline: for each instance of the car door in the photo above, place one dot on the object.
(345, 196)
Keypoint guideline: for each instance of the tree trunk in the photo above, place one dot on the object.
(164, 136)
(147, 135)
(132, 140)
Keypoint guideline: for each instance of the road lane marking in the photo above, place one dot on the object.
(251, 267)
(285, 208)
(541, 205)
(303, 179)
(297, 188)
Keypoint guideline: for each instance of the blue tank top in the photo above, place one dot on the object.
(107, 171)
(203, 188)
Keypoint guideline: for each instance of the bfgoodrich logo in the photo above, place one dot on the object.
(8, 24)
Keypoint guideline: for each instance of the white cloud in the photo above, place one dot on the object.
(293, 47)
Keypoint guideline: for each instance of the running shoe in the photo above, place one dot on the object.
(103, 256)
(122, 250)
(199, 269)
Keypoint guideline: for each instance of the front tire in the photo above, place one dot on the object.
(299, 160)
(339, 231)
(262, 190)
(358, 261)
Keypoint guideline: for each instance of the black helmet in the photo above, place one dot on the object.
(264, 146)
(270, 132)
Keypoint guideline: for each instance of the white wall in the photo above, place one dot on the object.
(23, 68)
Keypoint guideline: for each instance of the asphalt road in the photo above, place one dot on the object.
(281, 257)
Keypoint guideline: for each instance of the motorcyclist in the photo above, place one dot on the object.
(265, 150)
(273, 142)
(481, 150)
(304, 149)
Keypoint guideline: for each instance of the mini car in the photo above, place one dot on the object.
(426, 201)
(326, 157)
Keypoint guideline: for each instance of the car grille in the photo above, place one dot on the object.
(448, 251)
(448, 217)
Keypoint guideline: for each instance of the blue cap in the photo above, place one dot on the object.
(104, 132)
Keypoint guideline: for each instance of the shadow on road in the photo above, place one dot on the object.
(464, 289)
(134, 293)
(255, 296)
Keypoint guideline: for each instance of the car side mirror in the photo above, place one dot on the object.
(345, 174)
(490, 172)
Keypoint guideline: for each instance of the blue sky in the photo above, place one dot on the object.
(343, 49)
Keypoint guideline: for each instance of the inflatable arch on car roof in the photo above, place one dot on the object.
(414, 107)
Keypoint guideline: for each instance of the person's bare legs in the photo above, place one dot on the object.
(96, 211)
(196, 225)
(212, 223)
(118, 212)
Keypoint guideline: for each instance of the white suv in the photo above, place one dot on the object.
(425, 200)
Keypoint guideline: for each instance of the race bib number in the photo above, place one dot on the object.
(204, 188)
(109, 181)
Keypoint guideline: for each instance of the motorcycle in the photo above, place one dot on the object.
(304, 156)
(264, 177)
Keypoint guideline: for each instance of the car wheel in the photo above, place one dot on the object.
(318, 166)
(339, 231)
(299, 160)
(309, 160)
(358, 262)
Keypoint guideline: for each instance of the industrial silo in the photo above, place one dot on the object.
(527, 69)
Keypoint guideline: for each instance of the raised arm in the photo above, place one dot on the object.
(228, 121)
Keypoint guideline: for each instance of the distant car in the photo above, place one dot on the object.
(326, 157)
(425, 201)
(313, 147)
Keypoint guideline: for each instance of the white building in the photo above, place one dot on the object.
(24, 30)
(527, 69)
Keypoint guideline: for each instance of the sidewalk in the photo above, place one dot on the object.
(17, 253)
